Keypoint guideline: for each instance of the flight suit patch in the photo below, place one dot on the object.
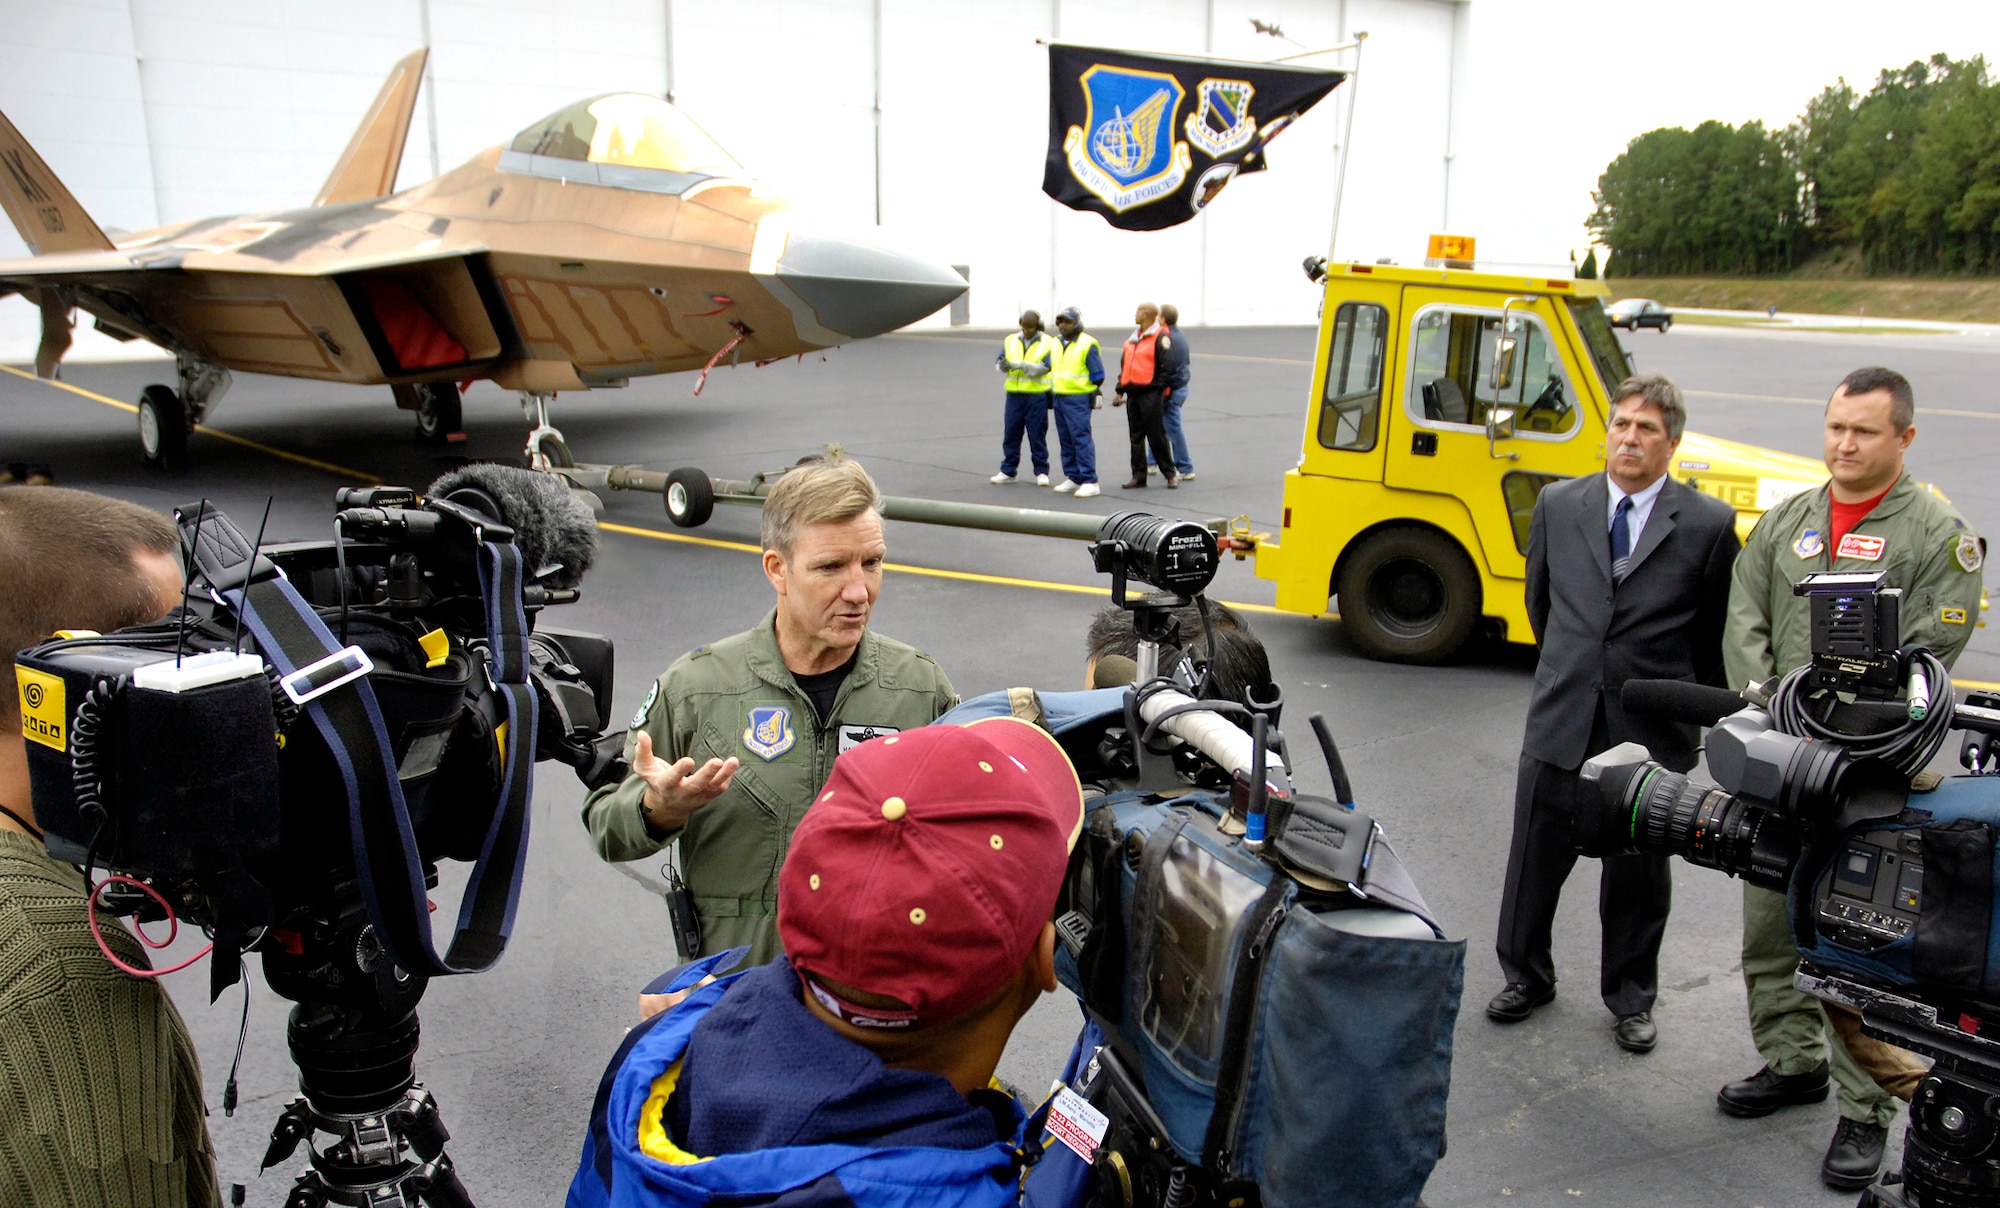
(1809, 544)
(1968, 553)
(852, 736)
(770, 733)
(1861, 547)
(1952, 616)
(652, 694)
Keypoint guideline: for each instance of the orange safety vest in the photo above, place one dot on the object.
(1135, 368)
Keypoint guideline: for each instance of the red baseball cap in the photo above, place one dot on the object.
(926, 868)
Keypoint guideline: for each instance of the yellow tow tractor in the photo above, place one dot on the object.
(1444, 399)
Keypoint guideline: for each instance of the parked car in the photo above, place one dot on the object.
(1634, 313)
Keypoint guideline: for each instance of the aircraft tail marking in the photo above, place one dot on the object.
(48, 217)
(367, 169)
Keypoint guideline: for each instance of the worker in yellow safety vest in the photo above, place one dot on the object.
(1027, 357)
(1075, 385)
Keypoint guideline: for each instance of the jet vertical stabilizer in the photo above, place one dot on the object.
(48, 217)
(367, 169)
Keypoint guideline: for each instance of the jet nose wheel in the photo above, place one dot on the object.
(690, 498)
(440, 412)
(163, 428)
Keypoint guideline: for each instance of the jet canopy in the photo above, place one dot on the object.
(631, 130)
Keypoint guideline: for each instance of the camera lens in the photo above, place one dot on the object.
(1643, 807)
(1173, 555)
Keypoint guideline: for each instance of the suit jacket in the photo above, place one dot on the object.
(1663, 621)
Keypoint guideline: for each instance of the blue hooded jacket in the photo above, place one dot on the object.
(793, 1113)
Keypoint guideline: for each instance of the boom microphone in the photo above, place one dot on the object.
(1678, 700)
(552, 527)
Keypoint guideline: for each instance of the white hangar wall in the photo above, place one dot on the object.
(157, 111)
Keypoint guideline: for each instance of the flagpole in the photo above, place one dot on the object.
(1347, 136)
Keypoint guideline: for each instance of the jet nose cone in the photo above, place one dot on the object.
(860, 288)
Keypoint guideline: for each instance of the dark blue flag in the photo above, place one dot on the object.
(1149, 140)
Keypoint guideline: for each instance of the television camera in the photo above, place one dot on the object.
(1262, 982)
(286, 759)
(1821, 793)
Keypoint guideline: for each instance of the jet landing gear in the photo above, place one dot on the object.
(546, 450)
(439, 409)
(167, 417)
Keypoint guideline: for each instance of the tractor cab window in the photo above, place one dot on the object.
(628, 130)
(1451, 366)
(1352, 411)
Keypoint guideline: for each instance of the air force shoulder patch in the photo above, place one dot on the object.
(1968, 553)
(770, 733)
(652, 694)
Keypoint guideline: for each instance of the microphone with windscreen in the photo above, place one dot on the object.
(1678, 700)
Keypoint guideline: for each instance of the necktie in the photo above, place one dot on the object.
(1621, 540)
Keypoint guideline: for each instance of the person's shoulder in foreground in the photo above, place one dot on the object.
(915, 907)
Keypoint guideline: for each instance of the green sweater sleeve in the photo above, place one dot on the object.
(1941, 606)
(611, 813)
(1746, 630)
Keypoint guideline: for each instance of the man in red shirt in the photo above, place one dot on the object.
(1871, 516)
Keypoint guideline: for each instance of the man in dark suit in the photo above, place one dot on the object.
(1628, 578)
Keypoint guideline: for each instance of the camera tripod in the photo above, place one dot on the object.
(1951, 1151)
(357, 1072)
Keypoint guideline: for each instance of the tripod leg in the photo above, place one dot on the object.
(437, 1183)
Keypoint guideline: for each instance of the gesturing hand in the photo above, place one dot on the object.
(674, 791)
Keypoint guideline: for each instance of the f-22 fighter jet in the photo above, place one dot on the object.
(611, 240)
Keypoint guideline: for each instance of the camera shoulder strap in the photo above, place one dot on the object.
(387, 862)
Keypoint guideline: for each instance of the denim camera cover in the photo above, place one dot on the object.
(1340, 1096)
(1955, 946)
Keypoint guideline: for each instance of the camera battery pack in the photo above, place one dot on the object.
(175, 780)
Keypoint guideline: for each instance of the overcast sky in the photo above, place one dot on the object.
(1572, 82)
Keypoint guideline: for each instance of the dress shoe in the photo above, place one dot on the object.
(1134, 484)
(1172, 483)
(1765, 1092)
(1517, 1002)
(1088, 490)
(1041, 480)
(1855, 1156)
(1635, 1033)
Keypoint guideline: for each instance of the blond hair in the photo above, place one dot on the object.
(816, 492)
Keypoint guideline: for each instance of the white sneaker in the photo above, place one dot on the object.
(1041, 480)
(1152, 471)
(1065, 487)
(1088, 491)
(1187, 477)
(1002, 480)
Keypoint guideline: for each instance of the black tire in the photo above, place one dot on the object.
(690, 498)
(557, 452)
(440, 411)
(1664, 324)
(1408, 595)
(163, 428)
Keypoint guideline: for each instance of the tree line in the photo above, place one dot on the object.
(1903, 180)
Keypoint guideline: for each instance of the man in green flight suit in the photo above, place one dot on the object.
(736, 737)
(1871, 516)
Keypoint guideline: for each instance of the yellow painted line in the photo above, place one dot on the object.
(1820, 402)
(219, 434)
(927, 571)
(1975, 685)
(657, 535)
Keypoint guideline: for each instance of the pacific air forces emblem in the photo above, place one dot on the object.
(1968, 553)
(770, 732)
(1125, 152)
(1221, 122)
(1809, 543)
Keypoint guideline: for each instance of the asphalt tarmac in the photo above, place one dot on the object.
(1545, 1112)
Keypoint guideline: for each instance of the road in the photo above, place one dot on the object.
(1548, 1112)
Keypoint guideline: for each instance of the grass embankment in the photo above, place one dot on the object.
(1951, 300)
